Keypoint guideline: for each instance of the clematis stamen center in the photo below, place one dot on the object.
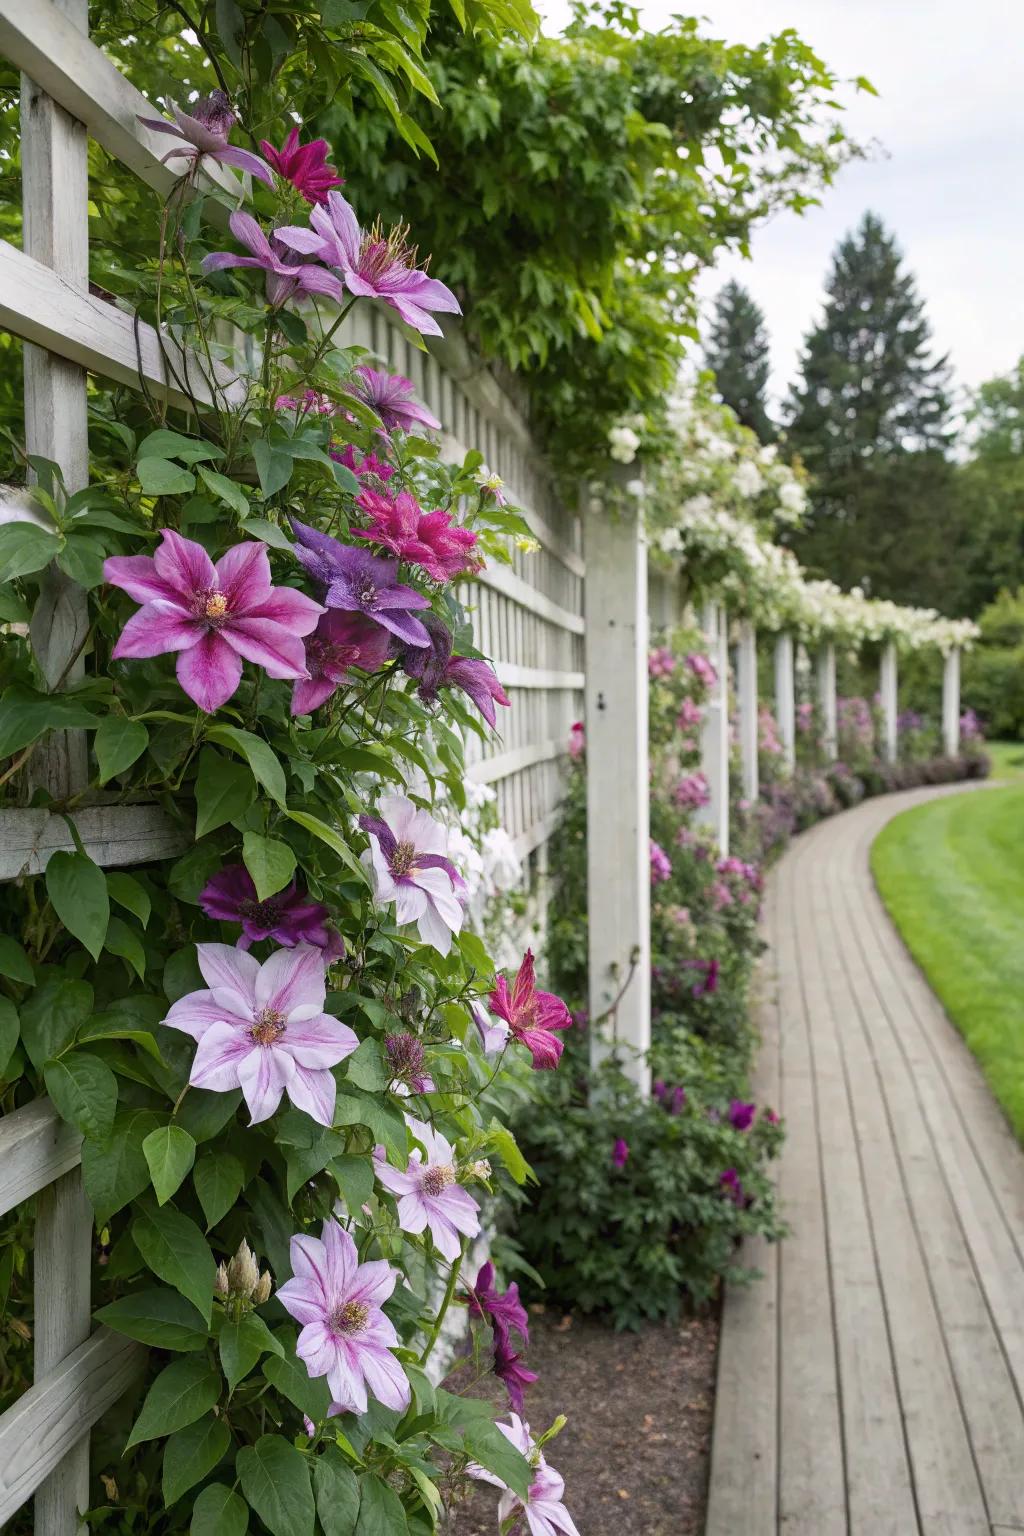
(366, 593)
(437, 1178)
(215, 605)
(349, 1317)
(265, 914)
(268, 1026)
(403, 860)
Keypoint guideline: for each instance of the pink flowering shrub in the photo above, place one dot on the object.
(288, 1055)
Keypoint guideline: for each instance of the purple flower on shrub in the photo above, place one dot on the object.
(286, 277)
(620, 1153)
(502, 1309)
(345, 1336)
(661, 864)
(741, 1115)
(204, 131)
(339, 642)
(690, 716)
(288, 917)
(659, 1088)
(262, 1028)
(358, 582)
(661, 662)
(391, 396)
(213, 615)
(730, 1185)
(770, 1116)
(577, 740)
(373, 265)
(304, 165)
(678, 1101)
(970, 726)
(509, 1369)
(708, 983)
(429, 1194)
(703, 668)
(692, 792)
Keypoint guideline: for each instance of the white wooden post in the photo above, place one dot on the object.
(56, 232)
(951, 703)
(888, 688)
(827, 700)
(785, 697)
(714, 736)
(746, 694)
(618, 821)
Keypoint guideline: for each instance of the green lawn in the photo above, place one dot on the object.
(1007, 759)
(951, 873)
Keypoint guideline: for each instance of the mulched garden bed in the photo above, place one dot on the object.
(634, 1453)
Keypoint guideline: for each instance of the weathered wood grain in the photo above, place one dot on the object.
(36, 1147)
(113, 835)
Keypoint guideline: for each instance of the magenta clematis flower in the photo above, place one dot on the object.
(661, 662)
(391, 396)
(577, 740)
(692, 792)
(304, 165)
(661, 864)
(438, 668)
(313, 403)
(503, 1310)
(620, 1153)
(262, 1028)
(213, 615)
(286, 277)
(531, 1015)
(359, 582)
(708, 983)
(287, 917)
(345, 1336)
(363, 465)
(339, 642)
(405, 1060)
(702, 668)
(543, 1510)
(429, 539)
(770, 1116)
(741, 1115)
(509, 1369)
(690, 715)
(730, 1185)
(204, 131)
(429, 1195)
(409, 867)
(373, 265)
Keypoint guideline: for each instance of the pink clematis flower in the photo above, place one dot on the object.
(304, 165)
(345, 1335)
(373, 265)
(213, 615)
(544, 1512)
(429, 1195)
(262, 1028)
(408, 865)
(429, 539)
(363, 465)
(204, 131)
(577, 740)
(286, 277)
(339, 642)
(391, 396)
(531, 1015)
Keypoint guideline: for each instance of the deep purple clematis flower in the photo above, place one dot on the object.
(429, 1195)
(531, 1015)
(288, 917)
(405, 1061)
(429, 539)
(659, 1088)
(205, 131)
(543, 1510)
(741, 1115)
(678, 1101)
(373, 265)
(345, 1335)
(408, 864)
(214, 615)
(304, 165)
(286, 277)
(509, 1368)
(620, 1152)
(339, 642)
(391, 396)
(359, 582)
(437, 668)
(730, 1185)
(502, 1309)
(262, 1028)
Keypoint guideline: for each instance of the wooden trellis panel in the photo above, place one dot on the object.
(528, 618)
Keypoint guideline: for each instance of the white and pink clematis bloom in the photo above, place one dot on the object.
(345, 1335)
(429, 1195)
(543, 1510)
(213, 615)
(262, 1028)
(409, 867)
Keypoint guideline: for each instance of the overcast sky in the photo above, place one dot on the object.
(948, 177)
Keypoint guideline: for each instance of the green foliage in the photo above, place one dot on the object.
(737, 351)
(993, 672)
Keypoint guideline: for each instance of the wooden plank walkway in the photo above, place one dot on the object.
(872, 1383)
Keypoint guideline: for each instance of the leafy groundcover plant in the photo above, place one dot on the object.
(274, 1045)
(642, 1201)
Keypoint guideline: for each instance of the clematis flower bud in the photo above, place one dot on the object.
(243, 1271)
